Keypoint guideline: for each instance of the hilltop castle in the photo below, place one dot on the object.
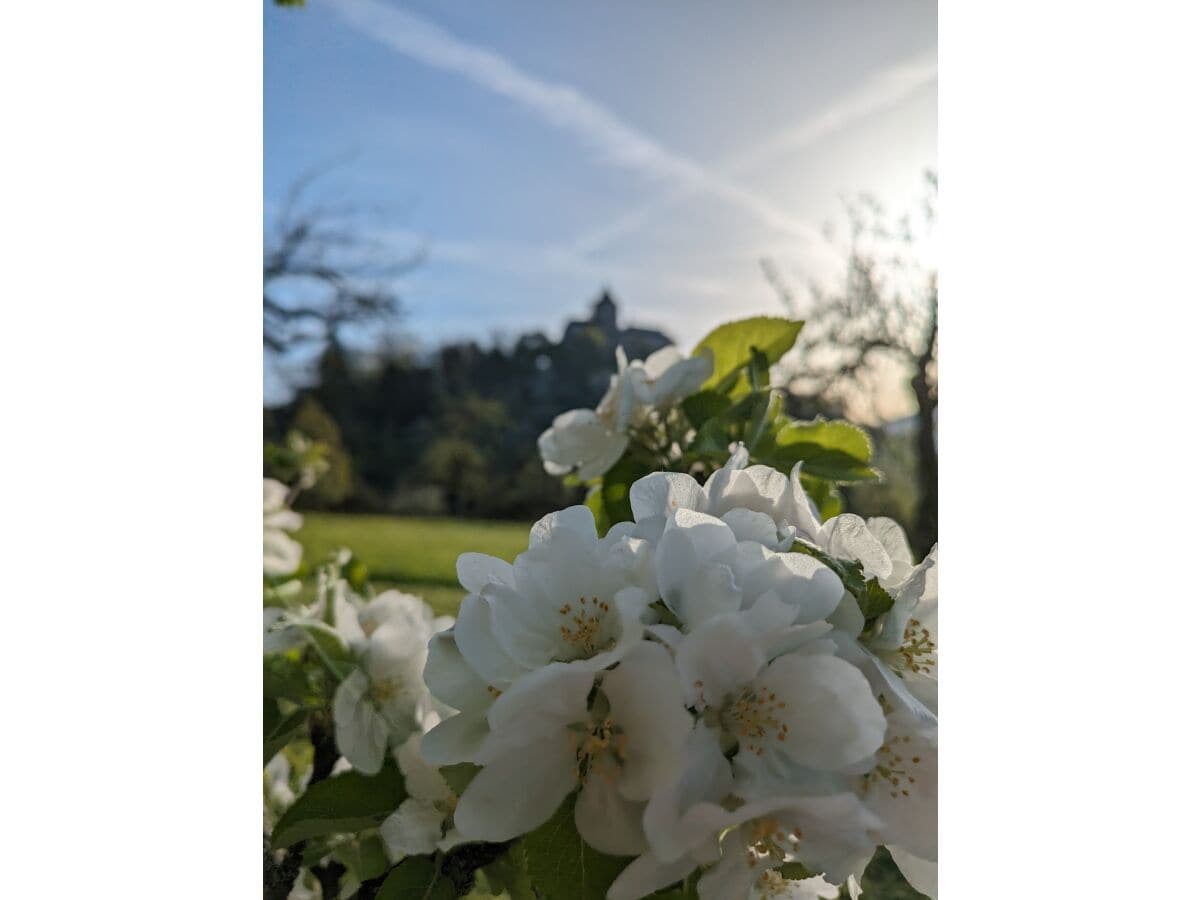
(638, 342)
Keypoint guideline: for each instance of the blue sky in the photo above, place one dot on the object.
(540, 151)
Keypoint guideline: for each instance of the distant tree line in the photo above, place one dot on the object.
(455, 432)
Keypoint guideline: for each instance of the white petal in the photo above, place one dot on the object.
(274, 494)
(798, 508)
(748, 525)
(731, 876)
(891, 535)
(422, 779)
(910, 817)
(661, 493)
(473, 633)
(361, 732)
(456, 739)
(832, 715)
(412, 830)
(517, 792)
(449, 677)
(920, 873)
(645, 875)
(577, 519)
(693, 577)
(537, 707)
(607, 821)
(475, 570)
(716, 660)
(648, 705)
(810, 585)
(847, 537)
(683, 814)
(847, 616)
(281, 554)
(837, 829)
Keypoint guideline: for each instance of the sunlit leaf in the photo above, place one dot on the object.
(733, 346)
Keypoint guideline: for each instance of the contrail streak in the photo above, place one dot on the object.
(883, 91)
(618, 142)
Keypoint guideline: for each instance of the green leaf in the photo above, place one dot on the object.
(747, 420)
(883, 879)
(417, 878)
(278, 729)
(824, 494)
(614, 488)
(701, 407)
(509, 874)
(284, 678)
(459, 775)
(836, 451)
(356, 573)
(595, 502)
(759, 370)
(793, 871)
(873, 600)
(342, 804)
(365, 858)
(733, 346)
(562, 866)
(330, 647)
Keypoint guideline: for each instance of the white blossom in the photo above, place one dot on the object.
(384, 700)
(571, 598)
(667, 377)
(424, 821)
(551, 734)
(281, 554)
(770, 885)
(704, 568)
(713, 696)
(590, 442)
(758, 502)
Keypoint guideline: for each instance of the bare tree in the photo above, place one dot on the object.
(884, 313)
(321, 274)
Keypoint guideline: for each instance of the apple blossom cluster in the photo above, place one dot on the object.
(701, 678)
(381, 706)
(590, 442)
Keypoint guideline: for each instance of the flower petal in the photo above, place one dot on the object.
(422, 779)
(832, 715)
(920, 873)
(607, 821)
(717, 659)
(648, 705)
(537, 707)
(449, 677)
(474, 635)
(361, 732)
(847, 537)
(661, 493)
(456, 739)
(412, 830)
(647, 874)
(475, 570)
(518, 791)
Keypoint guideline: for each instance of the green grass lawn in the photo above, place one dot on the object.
(414, 554)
